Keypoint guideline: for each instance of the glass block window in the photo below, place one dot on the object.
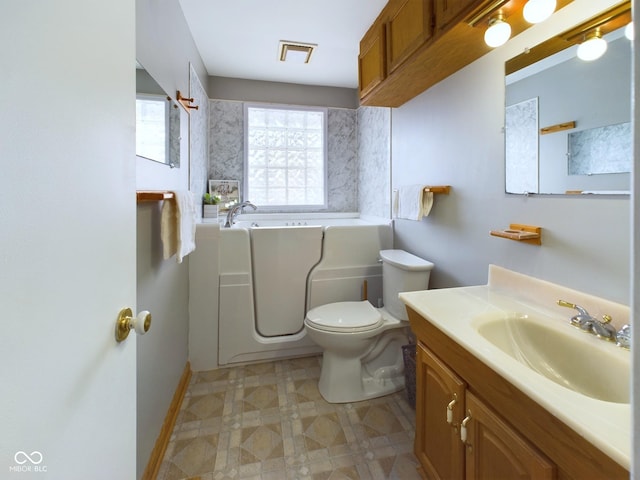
(285, 156)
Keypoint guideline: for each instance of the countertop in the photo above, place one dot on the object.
(606, 425)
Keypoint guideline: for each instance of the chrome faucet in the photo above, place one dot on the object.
(235, 210)
(623, 337)
(588, 323)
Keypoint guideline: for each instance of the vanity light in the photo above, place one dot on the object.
(498, 32)
(593, 47)
(536, 11)
(628, 31)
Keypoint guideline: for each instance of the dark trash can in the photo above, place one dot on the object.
(409, 357)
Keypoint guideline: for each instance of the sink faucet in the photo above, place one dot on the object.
(235, 210)
(585, 321)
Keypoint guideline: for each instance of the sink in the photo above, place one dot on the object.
(573, 359)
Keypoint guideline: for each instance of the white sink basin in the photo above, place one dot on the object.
(576, 360)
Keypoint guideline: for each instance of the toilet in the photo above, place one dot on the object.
(362, 354)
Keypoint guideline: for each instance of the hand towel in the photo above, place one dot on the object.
(178, 225)
(411, 202)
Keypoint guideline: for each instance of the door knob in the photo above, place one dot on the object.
(127, 322)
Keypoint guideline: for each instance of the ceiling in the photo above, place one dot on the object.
(240, 38)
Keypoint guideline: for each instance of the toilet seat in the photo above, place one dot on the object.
(345, 317)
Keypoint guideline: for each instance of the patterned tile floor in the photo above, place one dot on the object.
(268, 421)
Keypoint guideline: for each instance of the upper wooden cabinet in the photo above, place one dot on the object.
(451, 11)
(415, 44)
(372, 61)
(409, 25)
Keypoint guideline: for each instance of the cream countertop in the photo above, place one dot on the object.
(455, 311)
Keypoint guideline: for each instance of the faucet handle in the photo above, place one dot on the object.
(623, 337)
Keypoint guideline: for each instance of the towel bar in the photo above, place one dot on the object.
(153, 195)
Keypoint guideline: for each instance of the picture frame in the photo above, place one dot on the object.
(227, 190)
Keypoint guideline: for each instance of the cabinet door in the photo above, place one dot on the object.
(372, 60)
(449, 12)
(495, 451)
(437, 442)
(410, 24)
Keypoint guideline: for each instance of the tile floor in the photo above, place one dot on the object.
(268, 421)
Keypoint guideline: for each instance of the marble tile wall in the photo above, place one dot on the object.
(374, 161)
(198, 137)
(358, 154)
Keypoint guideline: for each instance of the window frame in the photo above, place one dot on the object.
(245, 181)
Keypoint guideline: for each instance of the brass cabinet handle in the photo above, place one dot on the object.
(450, 409)
(463, 427)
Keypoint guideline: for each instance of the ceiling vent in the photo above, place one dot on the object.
(296, 52)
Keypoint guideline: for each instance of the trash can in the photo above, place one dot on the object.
(409, 357)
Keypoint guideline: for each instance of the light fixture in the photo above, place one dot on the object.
(593, 47)
(536, 11)
(628, 31)
(498, 32)
(295, 52)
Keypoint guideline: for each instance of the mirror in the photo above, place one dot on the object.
(567, 121)
(157, 121)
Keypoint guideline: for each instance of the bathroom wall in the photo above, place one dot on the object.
(165, 47)
(452, 134)
(226, 150)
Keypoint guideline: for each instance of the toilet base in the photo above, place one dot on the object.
(345, 380)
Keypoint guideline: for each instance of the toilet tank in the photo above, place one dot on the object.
(402, 272)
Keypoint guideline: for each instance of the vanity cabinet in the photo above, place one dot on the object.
(508, 435)
(491, 448)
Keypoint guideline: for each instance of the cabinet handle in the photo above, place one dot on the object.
(450, 409)
(463, 427)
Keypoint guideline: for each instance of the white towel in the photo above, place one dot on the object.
(412, 202)
(178, 225)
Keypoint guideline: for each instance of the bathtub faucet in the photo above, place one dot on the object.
(235, 210)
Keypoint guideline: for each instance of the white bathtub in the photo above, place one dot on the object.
(271, 273)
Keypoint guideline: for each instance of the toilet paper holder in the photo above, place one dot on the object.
(127, 322)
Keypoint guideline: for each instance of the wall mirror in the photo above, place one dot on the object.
(157, 121)
(567, 120)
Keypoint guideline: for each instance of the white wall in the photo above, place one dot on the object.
(165, 48)
(451, 134)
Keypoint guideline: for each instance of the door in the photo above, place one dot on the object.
(67, 239)
(439, 412)
(494, 450)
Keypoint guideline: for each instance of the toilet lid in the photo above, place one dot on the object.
(345, 317)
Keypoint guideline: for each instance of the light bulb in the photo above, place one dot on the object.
(628, 31)
(592, 48)
(498, 32)
(536, 11)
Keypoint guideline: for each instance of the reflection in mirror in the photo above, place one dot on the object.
(157, 121)
(567, 124)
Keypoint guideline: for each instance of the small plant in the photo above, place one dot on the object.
(209, 199)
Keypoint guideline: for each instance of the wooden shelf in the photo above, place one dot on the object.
(153, 195)
(520, 233)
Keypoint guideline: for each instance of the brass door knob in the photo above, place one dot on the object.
(127, 322)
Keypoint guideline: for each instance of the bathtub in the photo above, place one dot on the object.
(272, 272)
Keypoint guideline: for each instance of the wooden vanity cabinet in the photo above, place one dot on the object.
(509, 436)
(492, 450)
(437, 442)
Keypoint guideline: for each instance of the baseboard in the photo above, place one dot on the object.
(157, 454)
